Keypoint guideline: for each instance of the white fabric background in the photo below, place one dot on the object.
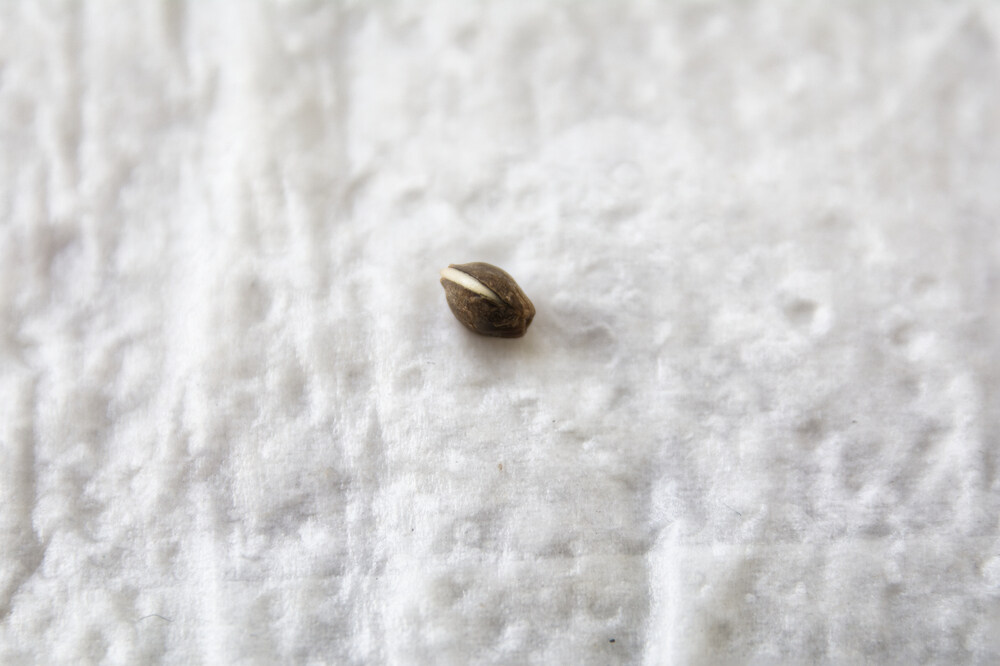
(754, 421)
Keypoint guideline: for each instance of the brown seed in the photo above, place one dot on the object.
(487, 300)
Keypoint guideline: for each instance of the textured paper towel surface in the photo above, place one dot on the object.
(755, 419)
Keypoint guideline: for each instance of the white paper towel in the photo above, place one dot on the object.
(755, 418)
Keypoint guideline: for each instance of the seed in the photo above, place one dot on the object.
(487, 300)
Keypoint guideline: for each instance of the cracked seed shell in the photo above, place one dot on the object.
(487, 300)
